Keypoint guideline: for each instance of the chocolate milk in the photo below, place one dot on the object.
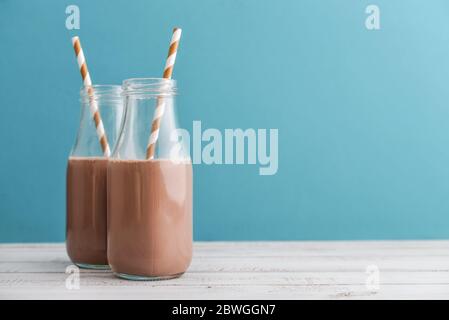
(86, 210)
(149, 217)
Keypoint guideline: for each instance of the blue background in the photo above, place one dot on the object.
(363, 116)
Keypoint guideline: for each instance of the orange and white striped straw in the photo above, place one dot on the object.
(160, 106)
(92, 102)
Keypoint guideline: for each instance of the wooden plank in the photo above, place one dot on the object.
(366, 249)
(246, 270)
(236, 245)
(269, 264)
(107, 279)
(235, 292)
(60, 254)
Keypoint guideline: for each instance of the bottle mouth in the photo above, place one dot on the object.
(101, 91)
(150, 87)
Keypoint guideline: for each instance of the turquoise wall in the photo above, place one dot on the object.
(363, 116)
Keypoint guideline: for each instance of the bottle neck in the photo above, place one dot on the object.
(101, 112)
(149, 105)
(101, 93)
(149, 88)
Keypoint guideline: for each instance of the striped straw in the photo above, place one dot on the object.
(93, 103)
(160, 107)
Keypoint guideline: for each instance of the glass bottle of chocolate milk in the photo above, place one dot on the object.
(86, 225)
(149, 191)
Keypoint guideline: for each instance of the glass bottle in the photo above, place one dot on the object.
(86, 224)
(149, 199)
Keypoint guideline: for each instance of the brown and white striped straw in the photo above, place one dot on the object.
(160, 106)
(92, 102)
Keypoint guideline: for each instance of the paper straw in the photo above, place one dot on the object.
(92, 102)
(160, 106)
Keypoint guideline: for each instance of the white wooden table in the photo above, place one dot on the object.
(245, 270)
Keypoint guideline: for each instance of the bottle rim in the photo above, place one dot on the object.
(101, 91)
(149, 87)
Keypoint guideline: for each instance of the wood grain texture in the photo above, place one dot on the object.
(246, 270)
